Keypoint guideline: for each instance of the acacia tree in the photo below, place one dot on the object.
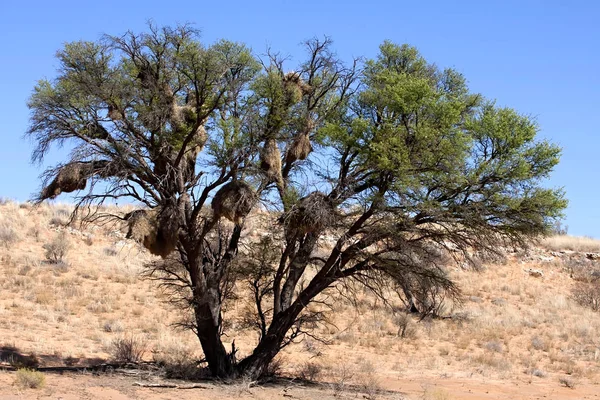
(392, 160)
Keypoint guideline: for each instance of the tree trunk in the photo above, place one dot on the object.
(256, 365)
(219, 361)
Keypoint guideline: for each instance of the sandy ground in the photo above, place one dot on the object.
(515, 337)
(117, 387)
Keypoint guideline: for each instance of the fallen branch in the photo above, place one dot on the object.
(168, 385)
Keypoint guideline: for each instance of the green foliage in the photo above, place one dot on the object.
(449, 155)
(29, 379)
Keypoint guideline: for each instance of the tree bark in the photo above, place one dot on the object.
(256, 364)
(219, 361)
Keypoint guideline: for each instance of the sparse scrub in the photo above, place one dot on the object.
(494, 346)
(341, 377)
(176, 362)
(57, 249)
(8, 235)
(128, 349)
(539, 344)
(571, 243)
(493, 360)
(536, 372)
(587, 295)
(113, 326)
(29, 379)
(368, 379)
(310, 371)
(567, 382)
(406, 326)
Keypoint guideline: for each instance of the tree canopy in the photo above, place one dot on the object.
(373, 171)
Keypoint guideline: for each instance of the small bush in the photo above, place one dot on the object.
(310, 371)
(8, 235)
(539, 344)
(406, 326)
(57, 249)
(113, 326)
(368, 379)
(110, 251)
(587, 295)
(29, 379)
(341, 377)
(537, 372)
(128, 349)
(176, 362)
(494, 346)
(567, 382)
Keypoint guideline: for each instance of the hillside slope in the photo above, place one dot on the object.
(519, 333)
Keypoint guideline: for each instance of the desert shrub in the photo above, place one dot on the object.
(176, 362)
(406, 326)
(8, 235)
(494, 346)
(129, 349)
(29, 379)
(113, 326)
(537, 372)
(567, 382)
(368, 379)
(15, 359)
(539, 344)
(341, 376)
(310, 371)
(110, 251)
(57, 249)
(579, 268)
(587, 295)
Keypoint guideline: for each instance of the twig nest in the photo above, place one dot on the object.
(70, 177)
(142, 227)
(270, 160)
(233, 201)
(157, 230)
(95, 130)
(114, 113)
(311, 214)
(300, 148)
(296, 85)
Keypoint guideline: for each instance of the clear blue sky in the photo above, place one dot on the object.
(540, 57)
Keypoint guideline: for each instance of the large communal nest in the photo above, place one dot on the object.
(73, 176)
(233, 201)
(295, 86)
(270, 160)
(157, 229)
(299, 149)
(114, 113)
(311, 214)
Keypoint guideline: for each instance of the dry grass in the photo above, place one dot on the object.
(512, 326)
(571, 243)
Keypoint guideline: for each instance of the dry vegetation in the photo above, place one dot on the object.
(571, 243)
(71, 297)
